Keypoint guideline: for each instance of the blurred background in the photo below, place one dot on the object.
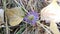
(23, 28)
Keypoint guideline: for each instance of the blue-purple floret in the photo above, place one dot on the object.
(35, 17)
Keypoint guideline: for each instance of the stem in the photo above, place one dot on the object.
(17, 3)
(7, 29)
(39, 24)
(4, 7)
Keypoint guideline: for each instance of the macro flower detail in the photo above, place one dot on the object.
(32, 17)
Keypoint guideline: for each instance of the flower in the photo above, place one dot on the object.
(32, 17)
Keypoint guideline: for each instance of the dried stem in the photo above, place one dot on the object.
(4, 7)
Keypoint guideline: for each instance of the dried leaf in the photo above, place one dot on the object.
(54, 27)
(15, 15)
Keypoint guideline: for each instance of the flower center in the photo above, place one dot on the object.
(31, 17)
